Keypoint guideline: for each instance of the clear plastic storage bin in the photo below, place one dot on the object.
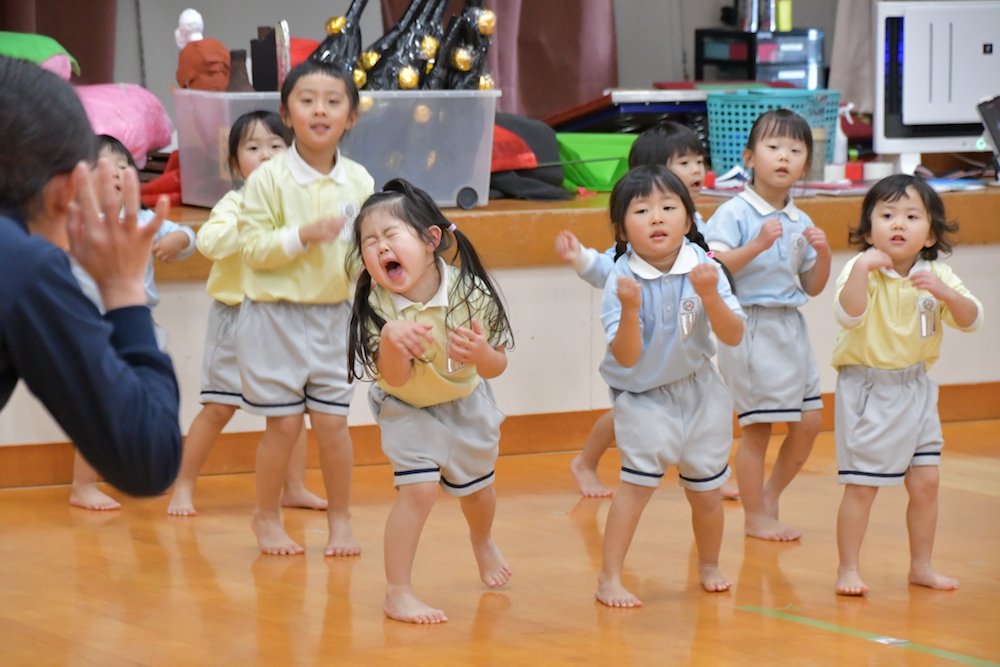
(441, 141)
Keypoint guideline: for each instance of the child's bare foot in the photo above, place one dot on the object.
(493, 569)
(587, 479)
(849, 583)
(89, 497)
(272, 538)
(712, 580)
(182, 502)
(402, 605)
(768, 528)
(613, 594)
(729, 491)
(928, 576)
(341, 542)
(304, 498)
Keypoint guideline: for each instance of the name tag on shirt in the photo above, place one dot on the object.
(798, 245)
(349, 212)
(688, 314)
(927, 310)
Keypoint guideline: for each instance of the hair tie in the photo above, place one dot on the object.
(452, 228)
(711, 254)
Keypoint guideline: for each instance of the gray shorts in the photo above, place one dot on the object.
(220, 376)
(454, 443)
(885, 422)
(687, 423)
(293, 357)
(772, 372)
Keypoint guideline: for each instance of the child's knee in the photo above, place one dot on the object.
(421, 494)
(287, 427)
(922, 482)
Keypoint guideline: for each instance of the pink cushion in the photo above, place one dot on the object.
(129, 113)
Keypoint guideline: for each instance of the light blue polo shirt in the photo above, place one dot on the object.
(667, 356)
(770, 278)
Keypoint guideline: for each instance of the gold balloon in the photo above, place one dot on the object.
(360, 78)
(365, 103)
(336, 24)
(408, 78)
(486, 82)
(461, 59)
(393, 160)
(369, 58)
(431, 158)
(422, 113)
(429, 47)
(487, 22)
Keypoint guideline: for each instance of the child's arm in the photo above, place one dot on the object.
(963, 310)
(219, 237)
(727, 325)
(626, 348)
(737, 258)
(814, 280)
(400, 342)
(592, 266)
(853, 297)
(173, 244)
(470, 346)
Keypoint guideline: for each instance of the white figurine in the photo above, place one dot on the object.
(190, 27)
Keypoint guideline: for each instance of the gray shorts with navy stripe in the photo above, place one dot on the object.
(687, 423)
(220, 376)
(772, 372)
(886, 421)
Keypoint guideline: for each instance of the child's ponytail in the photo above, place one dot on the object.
(476, 279)
(696, 237)
(365, 328)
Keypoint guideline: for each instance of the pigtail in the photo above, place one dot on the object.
(363, 333)
(696, 237)
(620, 248)
(475, 281)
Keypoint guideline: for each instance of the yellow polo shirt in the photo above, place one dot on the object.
(430, 382)
(888, 334)
(282, 195)
(219, 241)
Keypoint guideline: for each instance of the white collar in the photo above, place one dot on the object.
(304, 174)
(440, 298)
(686, 260)
(920, 265)
(763, 208)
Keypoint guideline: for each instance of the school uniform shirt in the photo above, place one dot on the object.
(282, 195)
(891, 334)
(669, 303)
(430, 382)
(769, 279)
(219, 241)
(103, 379)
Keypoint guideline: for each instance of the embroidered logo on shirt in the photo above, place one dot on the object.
(927, 307)
(688, 315)
(798, 243)
(349, 212)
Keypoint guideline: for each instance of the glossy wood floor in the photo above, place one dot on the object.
(136, 587)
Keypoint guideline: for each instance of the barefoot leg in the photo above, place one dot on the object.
(272, 463)
(921, 522)
(852, 522)
(750, 477)
(794, 452)
(707, 518)
(336, 458)
(623, 517)
(84, 492)
(584, 466)
(201, 437)
(402, 534)
(479, 509)
(296, 494)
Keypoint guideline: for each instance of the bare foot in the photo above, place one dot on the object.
(89, 497)
(767, 528)
(303, 497)
(493, 569)
(341, 542)
(402, 605)
(849, 583)
(729, 491)
(928, 576)
(272, 538)
(613, 594)
(182, 502)
(712, 579)
(587, 479)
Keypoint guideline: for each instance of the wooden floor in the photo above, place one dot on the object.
(136, 587)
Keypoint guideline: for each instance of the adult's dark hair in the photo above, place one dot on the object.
(44, 132)
(781, 123)
(664, 142)
(415, 207)
(244, 125)
(316, 67)
(640, 182)
(891, 189)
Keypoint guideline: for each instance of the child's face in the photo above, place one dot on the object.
(319, 111)
(902, 228)
(397, 258)
(777, 162)
(691, 170)
(257, 146)
(119, 164)
(655, 226)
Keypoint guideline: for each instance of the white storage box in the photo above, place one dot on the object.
(441, 141)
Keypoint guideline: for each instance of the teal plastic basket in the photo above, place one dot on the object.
(731, 115)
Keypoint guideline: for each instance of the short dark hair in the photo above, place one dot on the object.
(45, 132)
(662, 143)
(310, 66)
(890, 189)
(781, 123)
(244, 125)
(115, 146)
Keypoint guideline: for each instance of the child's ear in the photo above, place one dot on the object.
(435, 233)
(747, 158)
(931, 239)
(352, 118)
(286, 119)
